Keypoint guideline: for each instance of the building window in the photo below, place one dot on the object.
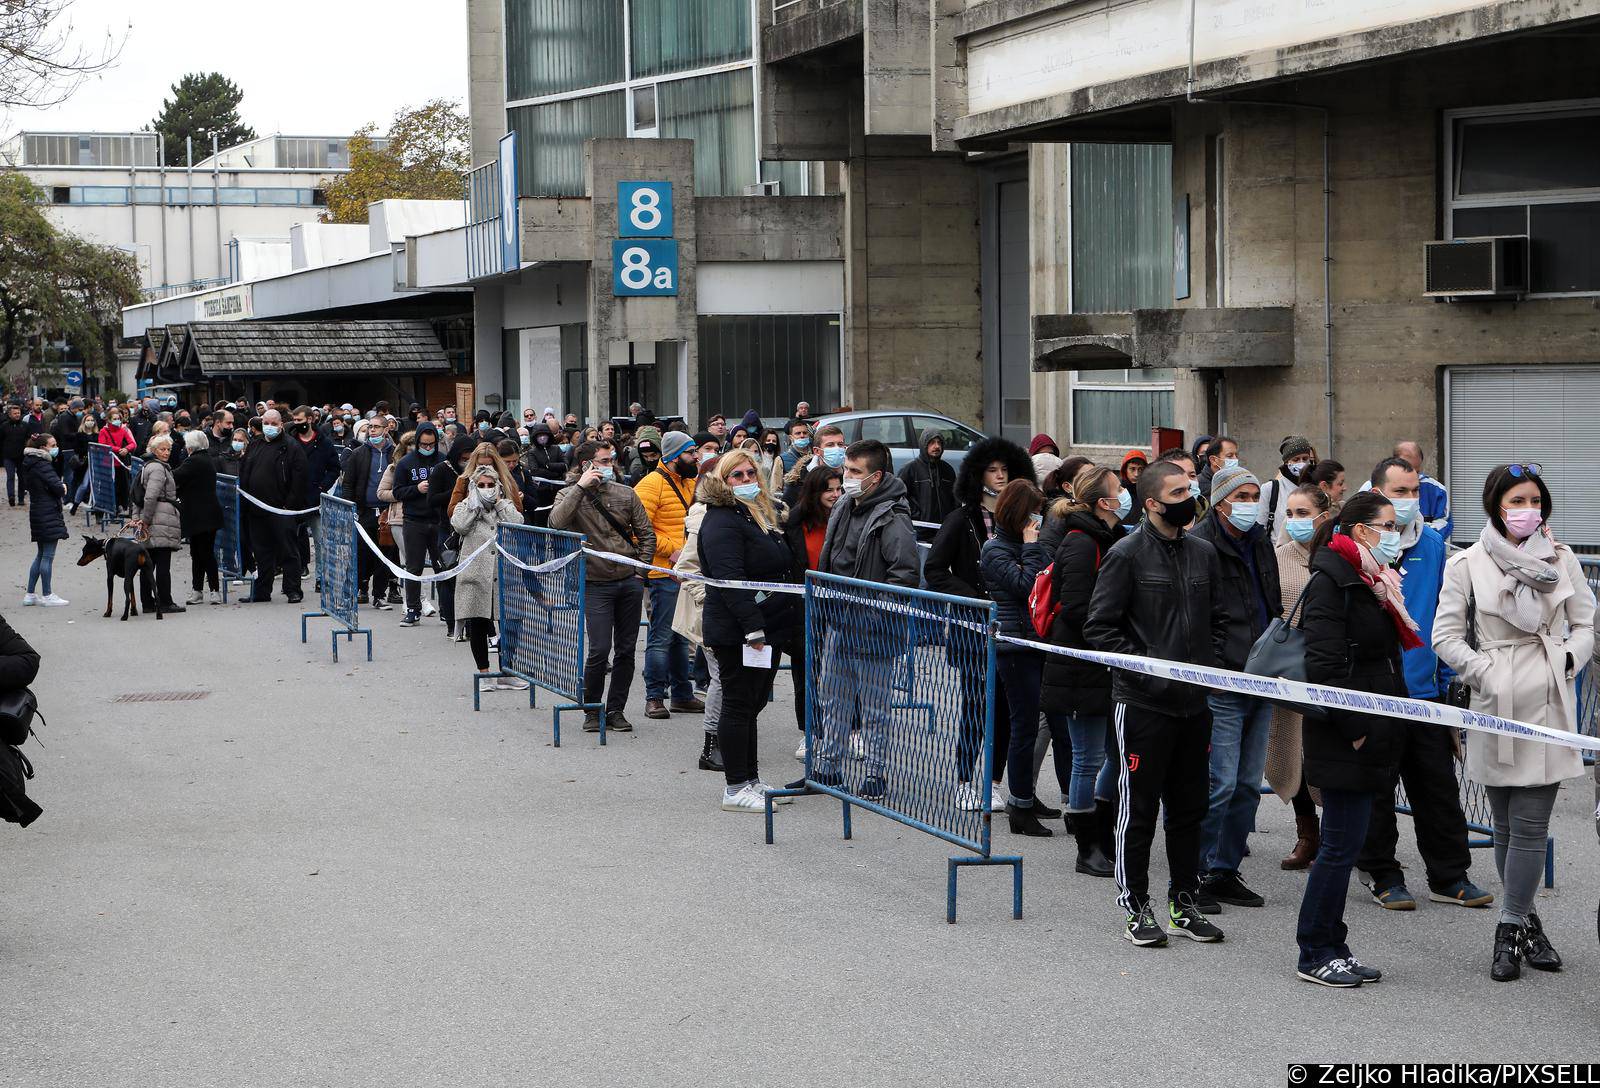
(550, 140)
(555, 46)
(1118, 407)
(679, 36)
(644, 110)
(768, 362)
(717, 112)
(1532, 171)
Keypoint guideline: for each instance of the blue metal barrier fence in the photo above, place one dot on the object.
(336, 567)
(230, 561)
(542, 635)
(102, 482)
(916, 672)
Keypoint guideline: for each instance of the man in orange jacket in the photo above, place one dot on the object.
(666, 492)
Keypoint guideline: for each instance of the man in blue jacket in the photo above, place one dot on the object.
(1427, 751)
(1433, 498)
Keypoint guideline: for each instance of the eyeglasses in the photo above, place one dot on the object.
(742, 474)
(1382, 526)
(1530, 470)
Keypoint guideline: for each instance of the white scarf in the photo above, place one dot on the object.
(1527, 570)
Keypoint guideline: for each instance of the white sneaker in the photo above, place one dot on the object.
(967, 798)
(858, 746)
(745, 800)
(762, 789)
(428, 609)
(196, 597)
(29, 598)
(800, 752)
(50, 600)
(510, 683)
(997, 798)
(215, 597)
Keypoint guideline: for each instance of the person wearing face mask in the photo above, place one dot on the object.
(322, 472)
(480, 502)
(1239, 723)
(798, 433)
(1298, 460)
(1516, 622)
(200, 514)
(1425, 754)
(1220, 453)
(870, 538)
(610, 514)
(46, 526)
(952, 567)
(1307, 509)
(1435, 500)
(546, 465)
(117, 435)
(230, 455)
(1090, 524)
(1356, 627)
(422, 542)
(644, 456)
(930, 483)
(274, 471)
(828, 449)
(1160, 594)
(666, 492)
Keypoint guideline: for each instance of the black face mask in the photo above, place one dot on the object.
(1178, 514)
(772, 448)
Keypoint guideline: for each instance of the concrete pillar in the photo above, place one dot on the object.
(488, 320)
(486, 77)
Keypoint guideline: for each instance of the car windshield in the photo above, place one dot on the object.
(954, 436)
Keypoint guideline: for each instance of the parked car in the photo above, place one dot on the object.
(902, 431)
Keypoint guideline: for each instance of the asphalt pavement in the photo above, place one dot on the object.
(338, 874)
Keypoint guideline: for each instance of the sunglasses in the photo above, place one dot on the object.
(742, 474)
(1529, 470)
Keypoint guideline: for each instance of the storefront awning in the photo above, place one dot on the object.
(243, 348)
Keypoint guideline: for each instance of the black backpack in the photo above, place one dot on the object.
(15, 805)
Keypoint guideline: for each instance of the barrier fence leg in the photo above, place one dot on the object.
(846, 806)
(304, 616)
(1550, 862)
(1016, 882)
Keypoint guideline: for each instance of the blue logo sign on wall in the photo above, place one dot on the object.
(644, 209)
(644, 267)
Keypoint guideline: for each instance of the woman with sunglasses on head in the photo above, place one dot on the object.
(741, 539)
(1356, 626)
(1516, 623)
(1307, 509)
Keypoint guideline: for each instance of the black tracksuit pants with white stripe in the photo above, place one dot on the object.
(1166, 760)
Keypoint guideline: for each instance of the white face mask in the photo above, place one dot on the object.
(486, 493)
(851, 486)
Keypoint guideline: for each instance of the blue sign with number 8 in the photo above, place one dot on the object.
(644, 267)
(644, 209)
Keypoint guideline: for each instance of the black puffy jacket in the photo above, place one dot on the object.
(45, 492)
(1072, 686)
(1350, 643)
(951, 565)
(1009, 568)
(198, 508)
(1159, 598)
(734, 548)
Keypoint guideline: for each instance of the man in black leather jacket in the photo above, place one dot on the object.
(1160, 595)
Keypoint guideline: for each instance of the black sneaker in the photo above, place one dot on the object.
(1334, 973)
(873, 788)
(832, 779)
(617, 722)
(591, 723)
(1228, 888)
(1185, 919)
(1206, 901)
(380, 605)
(1142, 930)
(410, 619)
(1362, 971)
(361, 598)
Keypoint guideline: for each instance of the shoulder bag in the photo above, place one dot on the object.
(1280, 652)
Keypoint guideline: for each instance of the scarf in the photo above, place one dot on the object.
(1528, 570)
(1384, 582)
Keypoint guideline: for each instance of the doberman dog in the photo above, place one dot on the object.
(127, 558)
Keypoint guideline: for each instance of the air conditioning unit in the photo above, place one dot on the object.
(764, 188)
(1493, 267)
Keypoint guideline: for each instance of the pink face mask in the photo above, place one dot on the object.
(1522, 522)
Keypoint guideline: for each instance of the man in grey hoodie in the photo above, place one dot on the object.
(869, 538)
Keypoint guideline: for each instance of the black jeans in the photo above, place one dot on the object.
(795, 648)
(1427, 767)
(1321, 932)
(478, 632)
(203, 560)
(422, 543)
(273, 538)
(369, 565)
(161, 560)
(16, 490)
(969, 744)
(611, 621)
(744, 693)
(1165, 761)
(1021, 674)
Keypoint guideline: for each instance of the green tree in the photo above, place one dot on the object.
(203, 104)
(426, 157)
(54, 285)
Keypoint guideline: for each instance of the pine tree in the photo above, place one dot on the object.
(203, 104)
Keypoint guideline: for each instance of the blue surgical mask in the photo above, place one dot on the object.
(1243, 514)
(1125, 502)
(1405, 510)
(271, 430)
(802, 443)
(238, 447)
(427, 451)
(524, 436)
(53, 451)
(483, 426)
(833, 456)
(605, 471)
(1230, 462)
(1194, 489)
(1301, 530)
(1388, 549)
(747, 492)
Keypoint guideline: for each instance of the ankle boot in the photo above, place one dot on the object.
(1307, 842)
(1105, 827)
(711, 754)
(1508, 946)
(1540, 954)
(1025, 821)
(1091, 861)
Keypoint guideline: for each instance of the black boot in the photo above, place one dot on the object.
(1025, 821)
(1105, 827)
(711, 754)
(1508, 946)
(1091, 861)
(1541, 955)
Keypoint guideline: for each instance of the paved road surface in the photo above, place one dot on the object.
(339, 875)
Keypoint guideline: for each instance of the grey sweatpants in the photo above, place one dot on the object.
(1521, 826)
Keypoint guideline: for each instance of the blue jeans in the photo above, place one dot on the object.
(666, 653)
(1088, 735)
(16, 490)
(853, 686)
(1239, 728)
(1321, 932)
(43, 560)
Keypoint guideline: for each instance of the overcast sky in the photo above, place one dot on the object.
(307, 67)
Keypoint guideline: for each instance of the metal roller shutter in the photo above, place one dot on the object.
(1548, 414)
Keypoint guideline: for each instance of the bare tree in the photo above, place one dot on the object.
(41, 62)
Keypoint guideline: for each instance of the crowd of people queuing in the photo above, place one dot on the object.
(1184, 556)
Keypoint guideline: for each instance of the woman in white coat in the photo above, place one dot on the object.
(483, 499)
(1531, 633)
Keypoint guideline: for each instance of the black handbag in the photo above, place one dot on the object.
(1459, 693)
(18, 708)
(15, 771)
(1280, 653)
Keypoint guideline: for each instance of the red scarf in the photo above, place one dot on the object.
(1354, 554)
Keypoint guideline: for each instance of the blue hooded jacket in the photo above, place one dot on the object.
(1422, 576)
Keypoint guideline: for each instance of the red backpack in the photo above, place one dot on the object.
(1042, 604)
